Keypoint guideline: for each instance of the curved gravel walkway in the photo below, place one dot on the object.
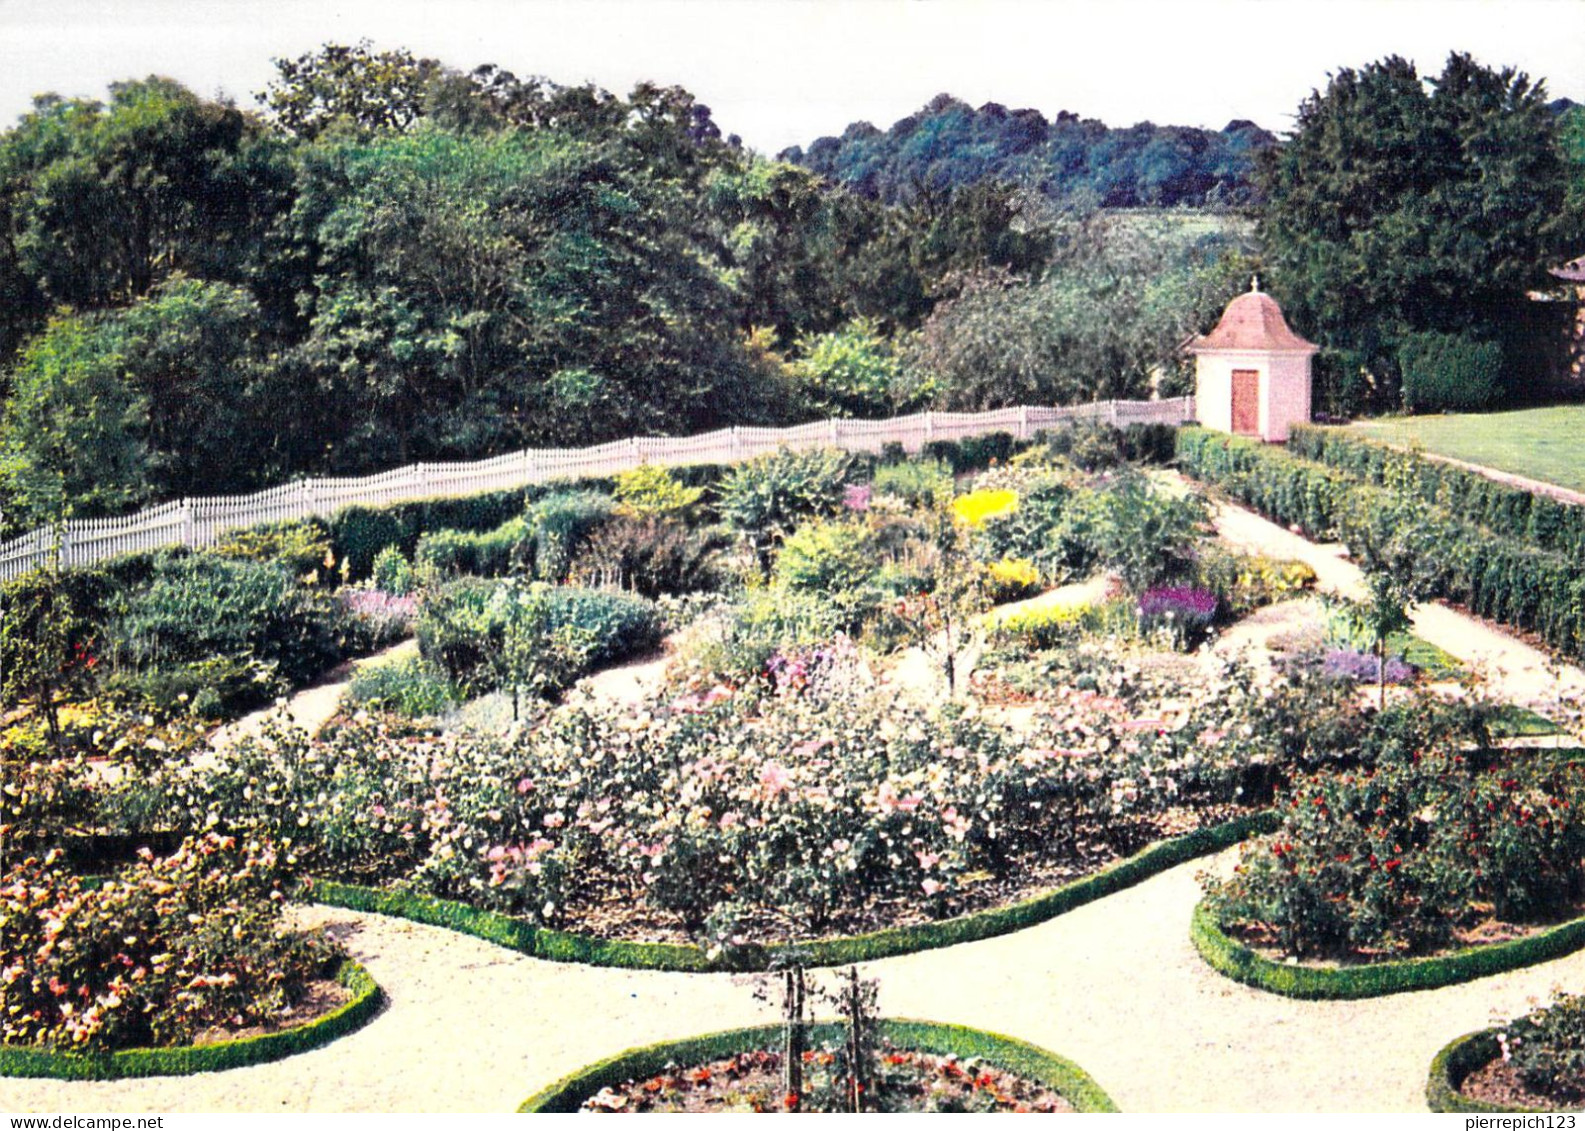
(1115, 985)
(1514, 670)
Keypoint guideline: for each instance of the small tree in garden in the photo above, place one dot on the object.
(795, 1029)
(536, 655)
(1384, 612)
(45, 654)
(943, 619)
(859, 1011)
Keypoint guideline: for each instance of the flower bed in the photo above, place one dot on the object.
(1005, 1053)
(1429, 840)
(1237, 961)
(217, 1056)
(1453, 1067)
(564, 946)
(134, 973)
(747, 819)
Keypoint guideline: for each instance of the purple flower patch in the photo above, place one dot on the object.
(1184, 603)
(1360, 667)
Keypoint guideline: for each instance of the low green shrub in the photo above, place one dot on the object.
(746, 634)
(408, 686)
(919, 483)
(972, 453)
(302, 546)
(1124, 526)
(203, 609)
(651, 554)
(1246, 582)
(559, 524)
(359, 533)
(832, 559)
(654, 492)
(392, 573)
(768, 496)
(1051, 627)
(488, 635)
(509, 548)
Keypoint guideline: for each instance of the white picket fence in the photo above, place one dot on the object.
(200, 522)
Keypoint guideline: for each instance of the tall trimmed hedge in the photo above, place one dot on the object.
(1505, 578)
(1513, 512)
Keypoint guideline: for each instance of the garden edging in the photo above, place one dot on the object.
(1456, 1061)
(1008, 1053)
(1313, 983)
(189, 1059)
(564, 946)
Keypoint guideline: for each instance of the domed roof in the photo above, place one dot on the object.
(1252, 321)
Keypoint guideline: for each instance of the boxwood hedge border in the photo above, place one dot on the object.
(189, 1059)
(1453, 1064)
(563, 946)
(1008, 1053)
(1315, 983)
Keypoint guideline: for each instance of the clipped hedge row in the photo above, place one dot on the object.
(1007, 1053)
(1502, 578)
(564, 946)
(190, 1059)
(1317, 983)
(1512, 512)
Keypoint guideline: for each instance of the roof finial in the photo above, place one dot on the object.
(1254, 283)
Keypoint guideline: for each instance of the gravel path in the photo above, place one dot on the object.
(1513, 670)
(312, 707)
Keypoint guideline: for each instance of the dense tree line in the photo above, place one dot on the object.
(391, 260)
(949, 143)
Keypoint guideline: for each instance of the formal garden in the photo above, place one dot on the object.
(891, 704)
(513, 599)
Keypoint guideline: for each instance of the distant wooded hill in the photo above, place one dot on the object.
(949, 143)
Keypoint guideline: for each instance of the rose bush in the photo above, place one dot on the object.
(1429, 833)
(156, 955)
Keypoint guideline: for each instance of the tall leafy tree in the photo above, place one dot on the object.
(350, 88)
(1107, 319)
(72, 437)
(1401, 206)
(106, 200)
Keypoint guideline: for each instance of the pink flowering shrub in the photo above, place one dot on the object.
(156, 955)
(789, 805)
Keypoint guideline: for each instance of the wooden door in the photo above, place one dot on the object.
(1246, 402)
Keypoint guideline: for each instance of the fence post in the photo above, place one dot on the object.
(1111, 408)
(1023, 422)
(189, 531)
(930, 426)
(737, 444)
(834, 432)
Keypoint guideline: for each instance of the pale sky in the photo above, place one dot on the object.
(782, 72)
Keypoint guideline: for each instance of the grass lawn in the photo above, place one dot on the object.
(1541, 443)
